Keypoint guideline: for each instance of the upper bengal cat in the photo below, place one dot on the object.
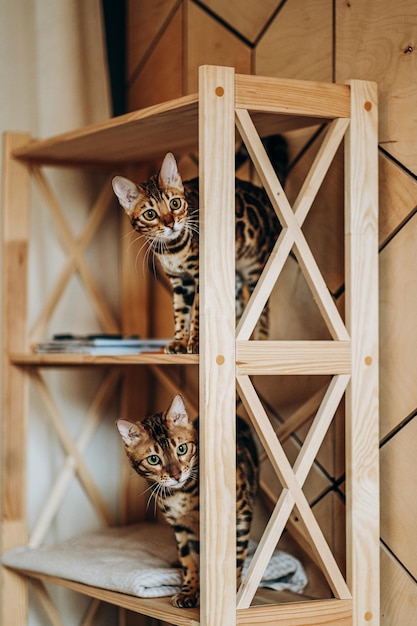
(165, 211)
(164, 449)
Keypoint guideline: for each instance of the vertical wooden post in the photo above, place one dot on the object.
(15, 209)
(362, 459)
(217, 347)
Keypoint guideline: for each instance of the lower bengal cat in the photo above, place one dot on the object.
(164, 449)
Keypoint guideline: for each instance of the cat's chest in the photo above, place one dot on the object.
(182, 263)
(181, 505)
(173, 263)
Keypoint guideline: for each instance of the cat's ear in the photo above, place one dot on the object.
(126, 191)
(169, 175)
(129, 431)
(177, 413)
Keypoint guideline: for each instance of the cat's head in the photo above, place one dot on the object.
(163, 447)
(157, 208)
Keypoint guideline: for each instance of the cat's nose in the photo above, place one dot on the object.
(169, 221)
(174, 471)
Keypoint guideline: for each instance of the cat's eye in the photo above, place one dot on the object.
(149, 214)
(182, 449)
(175, 204)
(153, 459)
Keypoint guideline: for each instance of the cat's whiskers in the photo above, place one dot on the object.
(153, 246)
(147, 256)
(134, 235)
(155, 489)
(148, 241)
(192, 225)
(150, 254)
(193, 475)
(151, 486)
(139, 236)
(129, 234)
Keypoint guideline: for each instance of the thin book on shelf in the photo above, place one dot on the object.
(99, 344)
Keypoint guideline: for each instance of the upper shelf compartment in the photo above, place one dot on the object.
(173, 126)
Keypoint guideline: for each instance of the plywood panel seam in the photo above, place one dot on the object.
(397, 560)
(223, 23)
(154, 42)
(268, 23)
(397, 428)
(383, 244)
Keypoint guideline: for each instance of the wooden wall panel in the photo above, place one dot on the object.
(398, 495)
(298, 43)
(245, 16)
(399, 593)
(145, 25)
(377, 41)
(398, 328)
(294, 312)
(161, 76)
(209, 42)
(397, 197)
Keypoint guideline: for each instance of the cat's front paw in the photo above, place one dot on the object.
(193, 346)
(185, 600)
(176, 347)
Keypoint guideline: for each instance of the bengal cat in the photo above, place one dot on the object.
(164, 449)
(165, 211)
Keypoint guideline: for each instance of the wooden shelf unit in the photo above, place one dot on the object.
(208, 121)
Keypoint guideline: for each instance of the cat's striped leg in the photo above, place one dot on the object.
(183, 298)
(193, 341)
(188, 547)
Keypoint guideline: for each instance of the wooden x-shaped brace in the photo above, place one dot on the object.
(74, 462)
(76, 261)
(291, 221)
(292, 480)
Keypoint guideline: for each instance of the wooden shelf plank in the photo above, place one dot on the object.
(145, 358)
(173, 126)
(292, 610)
(292, 97)
(134, 137)
(158, 608)
(314, 613)
(293, 357)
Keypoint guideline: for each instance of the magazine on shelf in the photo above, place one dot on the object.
(99, 344)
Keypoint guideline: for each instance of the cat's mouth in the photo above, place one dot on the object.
(177, 483)
(174, 483)
(172, 232)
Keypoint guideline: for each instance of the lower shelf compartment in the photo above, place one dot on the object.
(269, 607)
(130, 567)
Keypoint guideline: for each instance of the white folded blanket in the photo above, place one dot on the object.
(136, 560)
